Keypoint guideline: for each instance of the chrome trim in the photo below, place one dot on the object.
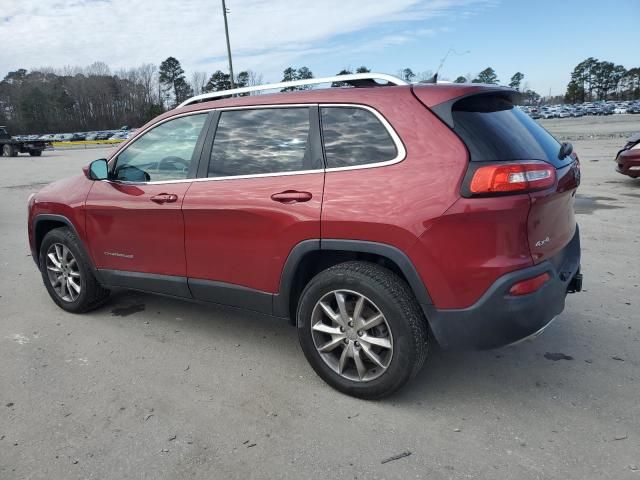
(296, 83)
(401, 155)
(214, 179)
(534, 335)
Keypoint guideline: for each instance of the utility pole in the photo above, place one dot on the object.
(226, 32)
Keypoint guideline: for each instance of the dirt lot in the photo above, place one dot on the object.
(150, 387)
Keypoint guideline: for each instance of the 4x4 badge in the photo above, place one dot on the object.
(540, 243)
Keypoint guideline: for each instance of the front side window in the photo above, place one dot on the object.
(163, 153)
(260, 141)
(355, 136)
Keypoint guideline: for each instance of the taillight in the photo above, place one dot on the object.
(514, 177)
(529, 285)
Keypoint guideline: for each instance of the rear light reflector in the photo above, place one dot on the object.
(512, 178)
(530, 285)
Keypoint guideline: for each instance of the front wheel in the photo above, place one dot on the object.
(67, 273)
(8, 150)
(361, 329)
(35, 153)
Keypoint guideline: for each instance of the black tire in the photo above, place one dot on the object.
(394, 299)
(8, 150)
(92, 294)
(35, 153)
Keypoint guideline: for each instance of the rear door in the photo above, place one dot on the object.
(494, 130)
(134, 220)
(259, 196)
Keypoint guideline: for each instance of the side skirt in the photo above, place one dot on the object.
(190, 288)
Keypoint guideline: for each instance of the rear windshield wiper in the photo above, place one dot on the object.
(565, 150)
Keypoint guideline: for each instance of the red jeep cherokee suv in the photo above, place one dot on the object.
(372, 217)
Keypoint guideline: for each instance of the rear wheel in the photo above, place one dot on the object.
(67, 273)
(35, 153)
(361, 329)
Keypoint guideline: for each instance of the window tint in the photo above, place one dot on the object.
(268, 140)
(354, 136)
(493, 130)
(163, 153)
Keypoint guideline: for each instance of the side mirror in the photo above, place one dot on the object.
(98, 170)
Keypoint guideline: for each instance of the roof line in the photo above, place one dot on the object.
(354, 77)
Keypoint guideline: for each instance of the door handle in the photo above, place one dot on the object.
(291, 196)
(164, 198)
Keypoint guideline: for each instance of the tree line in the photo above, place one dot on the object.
(71, 99)
(593, 79)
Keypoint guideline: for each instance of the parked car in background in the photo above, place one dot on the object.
(371, 218)
(628, 159)
(620, 109)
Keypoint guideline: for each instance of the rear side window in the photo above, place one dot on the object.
(267, 140)
(494, 130)
(355, 136)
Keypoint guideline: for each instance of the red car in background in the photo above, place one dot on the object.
(628, 159)
(373, 218)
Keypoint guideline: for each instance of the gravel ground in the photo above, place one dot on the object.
(154, 388)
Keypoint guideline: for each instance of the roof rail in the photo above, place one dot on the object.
(353, 78)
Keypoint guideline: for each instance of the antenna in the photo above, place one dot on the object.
(450, 51)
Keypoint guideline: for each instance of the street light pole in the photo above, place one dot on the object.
(226, 32)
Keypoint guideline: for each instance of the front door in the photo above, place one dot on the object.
(134, 219)
(262, 195)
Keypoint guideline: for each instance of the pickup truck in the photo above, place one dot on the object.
(11, 147)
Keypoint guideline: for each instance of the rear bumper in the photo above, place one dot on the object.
(498, 318)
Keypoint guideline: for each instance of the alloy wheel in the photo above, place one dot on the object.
(352, 335)
(63, 272)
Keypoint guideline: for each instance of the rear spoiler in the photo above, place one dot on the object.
(443, 110)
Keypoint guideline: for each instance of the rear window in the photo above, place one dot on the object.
(495, 130)
(354, 136)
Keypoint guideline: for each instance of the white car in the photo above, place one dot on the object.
(620, 110)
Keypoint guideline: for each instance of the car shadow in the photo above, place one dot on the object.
(516, 371)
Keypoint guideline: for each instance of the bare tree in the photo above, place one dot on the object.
(99, 69)
(198, 81)
(147, 73)
(254, 78)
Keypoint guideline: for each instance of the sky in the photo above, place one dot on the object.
(544, 39)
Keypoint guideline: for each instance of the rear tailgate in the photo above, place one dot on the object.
(496, 131)
(551, 222)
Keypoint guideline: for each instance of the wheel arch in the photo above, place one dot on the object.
(310, 257)
(43, 224)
